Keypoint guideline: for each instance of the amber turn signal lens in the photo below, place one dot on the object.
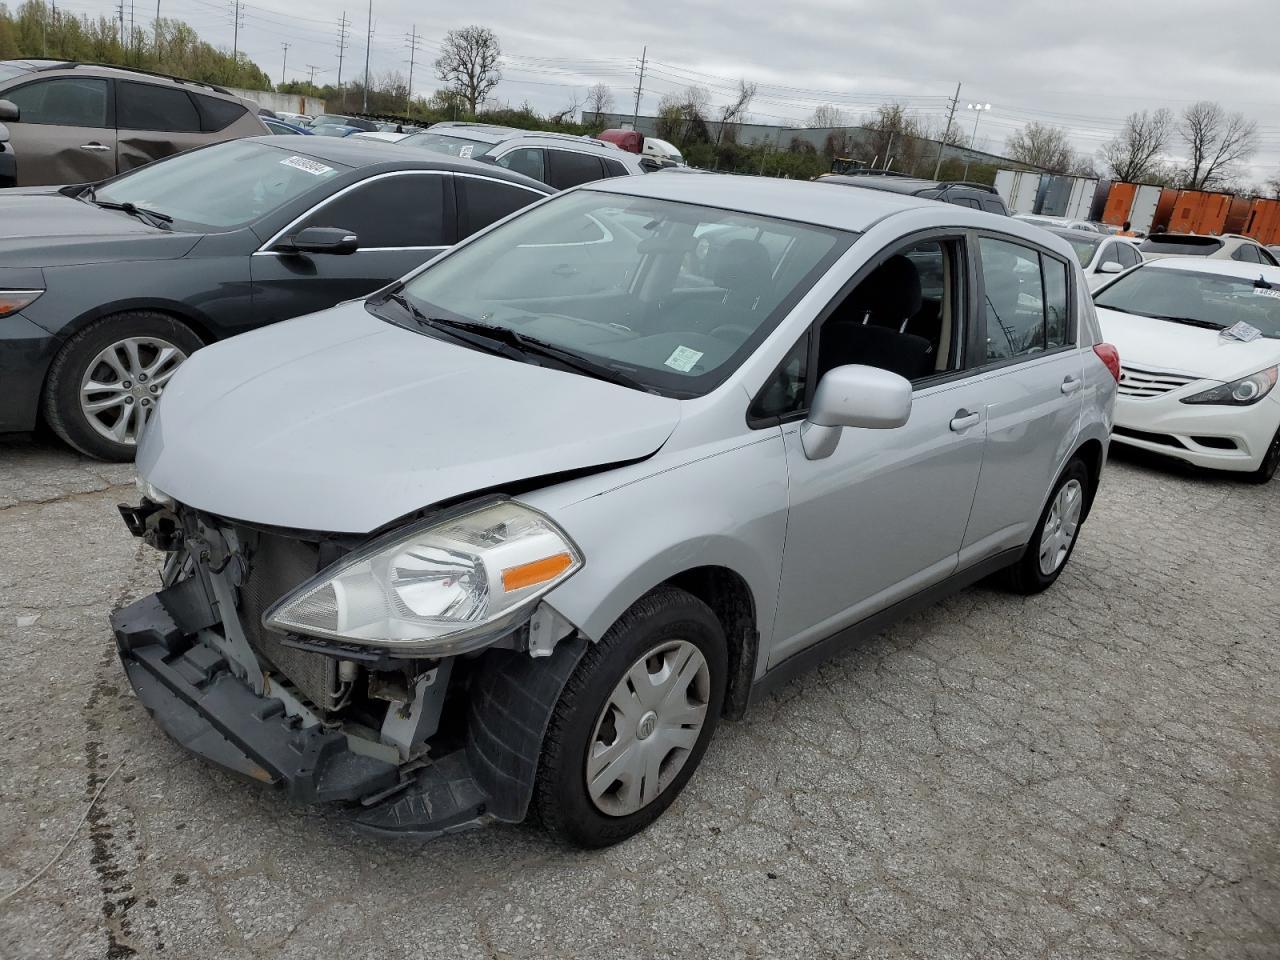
(535, 572)
(11, 301)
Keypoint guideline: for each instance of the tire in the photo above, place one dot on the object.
(143, 343)
(664, 633)
(1270, 463)
(1028, 575)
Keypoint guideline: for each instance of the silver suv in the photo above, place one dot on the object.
(558, 159)
(513, 534)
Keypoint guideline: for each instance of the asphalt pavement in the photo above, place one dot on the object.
(1090, 773)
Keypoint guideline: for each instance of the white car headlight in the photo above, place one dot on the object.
(439, 588)
(1238, 393)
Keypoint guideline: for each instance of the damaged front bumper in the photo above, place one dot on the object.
(185, 653)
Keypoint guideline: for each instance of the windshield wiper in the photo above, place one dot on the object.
(448, 328)
(1194, 322)
(156, 218)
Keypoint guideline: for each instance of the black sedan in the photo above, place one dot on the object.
(105, 289)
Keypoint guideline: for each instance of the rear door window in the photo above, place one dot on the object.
(526, 160)
(568, 169)
(397, 211)
(994, 206)
(1245, 254)
(482, 202)
(1013, 301)
(62, 101)
(146, 106)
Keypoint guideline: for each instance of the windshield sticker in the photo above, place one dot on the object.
(466, 151)
(307, 166)
(683, 359)
(1266, 292)
(1242, 331)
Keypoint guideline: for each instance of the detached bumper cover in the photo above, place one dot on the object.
(189, 689)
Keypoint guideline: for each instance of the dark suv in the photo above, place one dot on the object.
(71, 122)
(979, 196)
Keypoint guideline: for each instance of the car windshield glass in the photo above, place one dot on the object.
(223, 186)
(1206, 298)
(1083, 247)
(453, 146)
(672, 295)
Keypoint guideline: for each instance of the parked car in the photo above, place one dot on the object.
(281, 128)
(384, 136)
(1062, 223)
(335, 130)
(1227, 247)
(1188, 389)
(297, 119)
(74, 122)
(557, 159)
(342, 120)
(1101, 256)
(978, 196)
(105, 290)
(498, 542)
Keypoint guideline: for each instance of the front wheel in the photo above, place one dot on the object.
(1055, 535)
(633, 721)
(1270, 463)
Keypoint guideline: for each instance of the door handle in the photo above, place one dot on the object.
(98, 147)
(963, 420)
(564, 270)
(1070, 384)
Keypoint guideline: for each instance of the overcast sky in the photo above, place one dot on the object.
(1082, 65)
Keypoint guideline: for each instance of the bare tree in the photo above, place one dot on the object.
(733, 111)
(1218, 141)
(1040, 145)
(1132, 154)
(827, 116)
(469, 59)
(570, 113)
(599, 99)
(682, 116)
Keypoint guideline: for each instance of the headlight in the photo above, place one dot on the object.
(1240, 393)
(11, 301)
(442, 587)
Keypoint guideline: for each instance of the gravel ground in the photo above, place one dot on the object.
(1091, 773)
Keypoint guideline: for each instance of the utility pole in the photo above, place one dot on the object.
(343, 24)
(133, 32)
(237, 15)
(368, 42)
(888, 154)
(942, 144)
(157, 25)
(311, 81)
(120, 13)
(413, 50)
(285, 62)
(635, 115)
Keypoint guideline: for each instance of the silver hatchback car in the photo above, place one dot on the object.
(509, 537)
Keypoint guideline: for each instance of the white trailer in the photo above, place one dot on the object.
(1019, 189)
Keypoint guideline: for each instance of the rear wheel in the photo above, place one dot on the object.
(1055, 535)
(633, 721)
(1270, 463)
(105, 382)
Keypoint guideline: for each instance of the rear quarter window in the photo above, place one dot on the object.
(216, 114)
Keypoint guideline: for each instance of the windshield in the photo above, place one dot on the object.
(223, 186)
(1084, 247)
(1207, 298)
(672, 295)
(453, 146)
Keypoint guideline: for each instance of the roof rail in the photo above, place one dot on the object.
(71, 64)
(971, 184)
(567, 136)
(880, 173)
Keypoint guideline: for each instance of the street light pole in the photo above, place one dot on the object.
(977, 109)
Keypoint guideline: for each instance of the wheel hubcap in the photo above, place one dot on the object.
(121, 385)
(647, 728)
(1060, 526)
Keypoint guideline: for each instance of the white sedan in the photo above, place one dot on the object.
(1101, 256)
(1199, 344)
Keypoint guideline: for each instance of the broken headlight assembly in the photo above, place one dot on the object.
(438, 588)
(1238, 393)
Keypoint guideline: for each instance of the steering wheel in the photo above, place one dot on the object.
(731, 332)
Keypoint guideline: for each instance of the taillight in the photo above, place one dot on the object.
(1110, 356)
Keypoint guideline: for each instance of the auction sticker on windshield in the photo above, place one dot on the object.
(466, 151)
(1242, 331)
(683, 359)
(307, 166)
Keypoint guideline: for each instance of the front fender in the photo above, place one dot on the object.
(723, 507)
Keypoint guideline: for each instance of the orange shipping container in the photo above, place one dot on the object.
(1198, 212)
(1164, 208)
(1238, 215)
(1264, 221)
(1119, 203)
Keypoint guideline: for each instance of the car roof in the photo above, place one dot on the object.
(888, 183)
(367, 152)
(1223, 268)
(1073, 232)
(114, 70)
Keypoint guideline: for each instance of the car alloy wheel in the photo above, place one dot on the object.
(122, 384)
(647, 728)
(1060, 527)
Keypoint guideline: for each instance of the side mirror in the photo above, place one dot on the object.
(1110, 267)
(854, 396)
(321, 240)
(9, 111)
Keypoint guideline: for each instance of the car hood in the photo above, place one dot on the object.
(52, 230)
(342, 422)
(1179, 348)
